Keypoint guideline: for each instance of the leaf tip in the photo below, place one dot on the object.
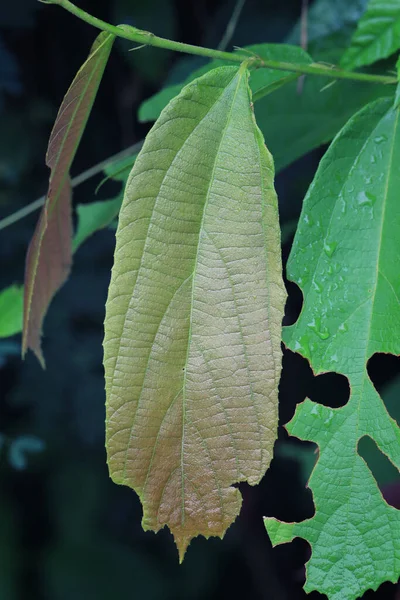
(35, 349)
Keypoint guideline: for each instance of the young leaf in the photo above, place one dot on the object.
(193, 320)
(94, 216)
(11, 300)
(48, 259)
(98, 215)
(377, 35)
(262, 81)
(345, 258)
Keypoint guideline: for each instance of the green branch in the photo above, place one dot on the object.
(149, 39)
(81, 178)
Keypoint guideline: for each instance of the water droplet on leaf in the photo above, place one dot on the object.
(317, 287)
(329, 248)
(308, 220)
(366, 199)
(379, 139)
(316, 326)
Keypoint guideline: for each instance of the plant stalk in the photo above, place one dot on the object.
(149, 39)
(75, 181)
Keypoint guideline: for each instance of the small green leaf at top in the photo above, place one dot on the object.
(377, 35)
(192, 352)
(345, 258)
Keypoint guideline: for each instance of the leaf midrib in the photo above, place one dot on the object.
(239, 76)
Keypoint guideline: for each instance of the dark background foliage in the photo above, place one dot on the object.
(66, 531)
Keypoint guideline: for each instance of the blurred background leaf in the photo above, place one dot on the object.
(11, 300)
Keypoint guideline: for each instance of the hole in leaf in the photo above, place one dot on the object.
(287, 478)
(295, 382)
(385, 473)
(383, 369)
(330, 389)
(294, 303)
(290, 562)
(386, 591)
(384, 372)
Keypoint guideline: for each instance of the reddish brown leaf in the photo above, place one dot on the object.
(49, 256)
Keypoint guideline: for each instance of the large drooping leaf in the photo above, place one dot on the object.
(345, 258)
(11, 300)
(48, 259)
(377, 35)
(262, 81)
(193, 320)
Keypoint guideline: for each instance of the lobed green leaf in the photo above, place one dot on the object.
(345, 258)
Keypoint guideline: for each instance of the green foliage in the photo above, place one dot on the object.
(192, 360)
(262, 82)
(377, 35)
(345, 259)
(293, 123)
(11, 302)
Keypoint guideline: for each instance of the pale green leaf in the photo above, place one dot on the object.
(193, 320)
(345, 258)
(377, 35)
(11, 306)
